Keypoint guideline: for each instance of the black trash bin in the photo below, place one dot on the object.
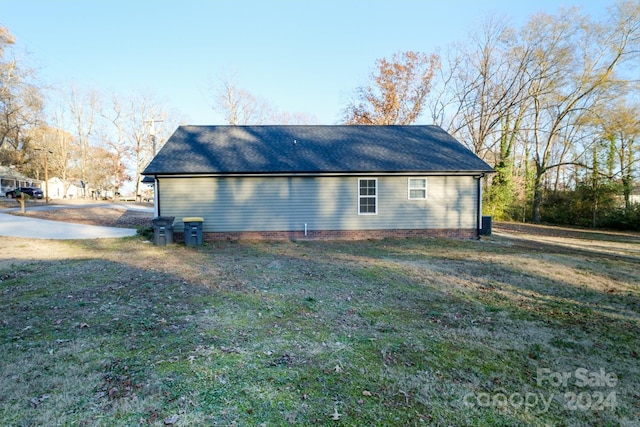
(193, 230)
(163, 230)
(486, 226)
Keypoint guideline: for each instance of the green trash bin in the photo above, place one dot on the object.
(163, 230)
(193, 230)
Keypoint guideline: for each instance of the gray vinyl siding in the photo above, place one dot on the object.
(323, 203)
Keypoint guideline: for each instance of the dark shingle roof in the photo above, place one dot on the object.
(312, 149)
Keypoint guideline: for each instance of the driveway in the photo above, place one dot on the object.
(21, 226)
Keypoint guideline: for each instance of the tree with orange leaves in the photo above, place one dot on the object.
(397, 92)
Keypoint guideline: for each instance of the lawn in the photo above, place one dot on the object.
(501, 331)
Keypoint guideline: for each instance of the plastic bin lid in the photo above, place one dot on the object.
(192, 219)
(163, 219)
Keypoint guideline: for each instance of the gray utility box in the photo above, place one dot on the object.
(163, 230)
(192, 230)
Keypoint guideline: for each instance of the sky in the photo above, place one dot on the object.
(304, 56)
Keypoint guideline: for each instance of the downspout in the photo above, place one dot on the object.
(156, 197)
(479, 213)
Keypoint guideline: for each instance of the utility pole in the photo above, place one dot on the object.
(152, 136)
(46, 169)
(152, 133)
(46, 178)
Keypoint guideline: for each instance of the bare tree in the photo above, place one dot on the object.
(141, 109)
(490, 90)
(521, 99)
(84, 109)
(116, 144)
(443, 103)
(621, 127)
(293, 119)
(397, 92)
(240, 107)
(61, 145)
(572, 68)
(20, 99)
(481, 99)
(61, 149)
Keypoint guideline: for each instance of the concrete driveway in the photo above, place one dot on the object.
(21, 226)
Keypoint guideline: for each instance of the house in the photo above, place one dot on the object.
(634, 196)
(10, 179)
(64, 189)
(319, 182)
(55, 188)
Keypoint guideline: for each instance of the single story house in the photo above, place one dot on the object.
(55, 187)
(61, 189)
(319, 182)
(10, 179)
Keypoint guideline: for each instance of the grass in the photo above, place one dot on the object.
(391, 332)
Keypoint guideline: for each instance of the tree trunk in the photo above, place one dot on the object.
(627, 188)
(537, 198)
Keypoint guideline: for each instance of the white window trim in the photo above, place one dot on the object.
(374, 196)
(409, 188)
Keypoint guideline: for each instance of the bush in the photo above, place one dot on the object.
(563, 207)
(622, 219)
(576, 208)
(146, 232)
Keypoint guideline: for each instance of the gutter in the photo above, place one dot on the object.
(475, 174)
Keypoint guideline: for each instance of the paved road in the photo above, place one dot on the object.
(21, 226)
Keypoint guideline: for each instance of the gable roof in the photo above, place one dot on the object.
(312, 150)
(11, 173)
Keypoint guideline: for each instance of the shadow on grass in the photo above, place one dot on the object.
(380, 333)
(589, 243)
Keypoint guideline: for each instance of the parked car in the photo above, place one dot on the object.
(36, 193)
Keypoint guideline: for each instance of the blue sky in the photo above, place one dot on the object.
(301, 56)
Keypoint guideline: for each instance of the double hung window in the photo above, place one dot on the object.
(417, 188)
(367, 196)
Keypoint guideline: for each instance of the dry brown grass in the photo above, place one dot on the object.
(291, 332)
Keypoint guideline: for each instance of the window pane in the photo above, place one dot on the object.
(367, 205)
(367, 187)
(418, 194)
(417, 183)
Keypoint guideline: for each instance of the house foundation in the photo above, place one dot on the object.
(340, 235)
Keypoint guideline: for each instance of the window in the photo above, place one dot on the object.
(417, 188)
(367, 196)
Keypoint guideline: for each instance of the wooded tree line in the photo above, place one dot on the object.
(553, 106)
